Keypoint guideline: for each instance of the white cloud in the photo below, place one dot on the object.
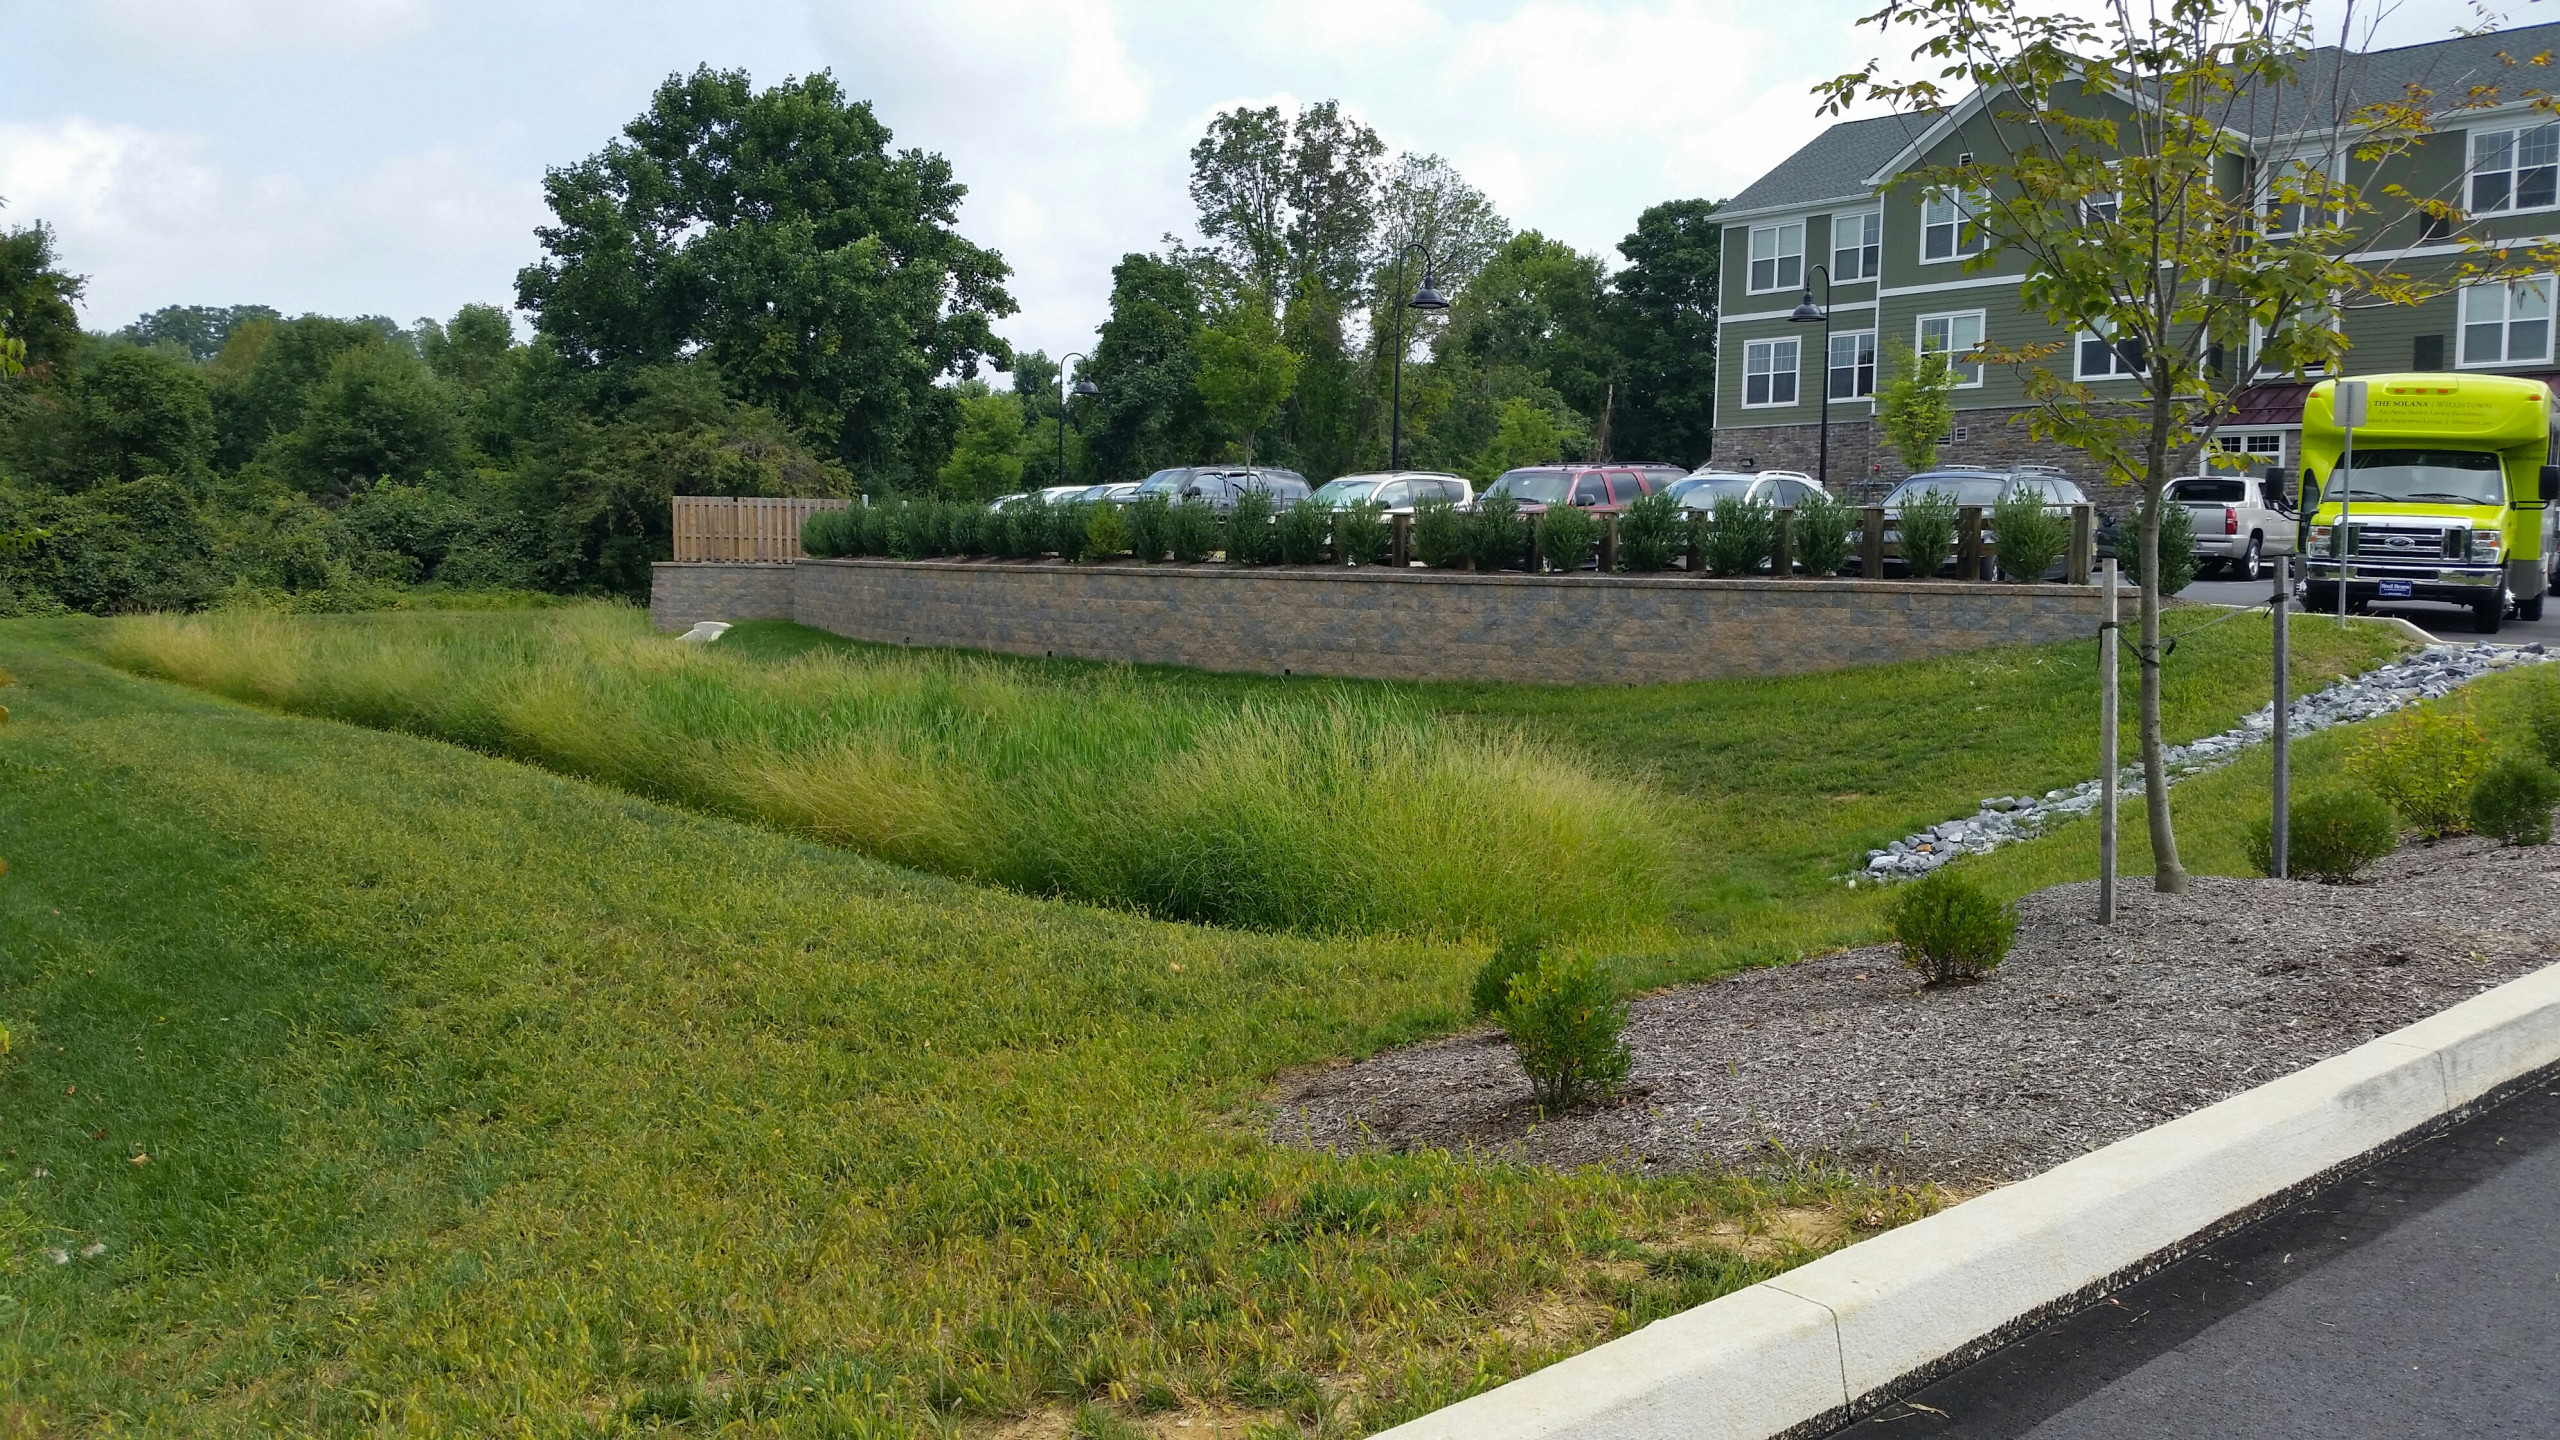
(184, 27)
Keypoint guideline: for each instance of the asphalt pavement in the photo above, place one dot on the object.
(2443, 621)
(2417, 1297)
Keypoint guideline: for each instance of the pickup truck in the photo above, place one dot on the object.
(2238, 520)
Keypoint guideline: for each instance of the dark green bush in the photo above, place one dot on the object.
(1739, 535)
(1823, 529)
(968, 528)
(1491, 993)
(871, 531)
(1440, 534)
(1150, 521)
(1950, 928)
(2027, 536)
(1360, 533)
(2513, 801)
(2177, 548)
(1927, 531)
(2330, 835)
(823, 534)
(1304, 529)
(1026, 528)
(1067, 522)
(1253, 532)
(1651, 532)
(1566, 534)
(1106, 531)
(1568, 1025)
(904, 525)
(1497, 538)
(1191, 531)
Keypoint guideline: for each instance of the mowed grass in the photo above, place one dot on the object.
(409, 1091)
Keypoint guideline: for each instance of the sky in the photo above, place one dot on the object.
(386, 156)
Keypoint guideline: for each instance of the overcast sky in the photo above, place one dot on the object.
(386, 156)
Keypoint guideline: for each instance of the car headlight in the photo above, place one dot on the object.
(2485, 544)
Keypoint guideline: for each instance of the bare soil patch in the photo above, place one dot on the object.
(2086, 1035)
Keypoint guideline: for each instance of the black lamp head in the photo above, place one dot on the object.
(1428, 297)
(1085, 389)
(1805, 313)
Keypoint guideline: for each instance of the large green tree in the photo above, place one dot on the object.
(777, 234)
(37, 295)
(1663, 309)
(1244, 371)
(199, 330)
(1539, 307)
(1146, 361)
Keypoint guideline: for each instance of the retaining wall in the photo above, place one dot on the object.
(1383, 624)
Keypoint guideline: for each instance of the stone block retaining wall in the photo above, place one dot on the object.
(1383, 624)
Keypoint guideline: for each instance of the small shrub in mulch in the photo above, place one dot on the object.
(2329, 835)
(1925, 532)
(1651, 533)
(1253, 538)
(2513, 799)
(823, 534)
(1440, 535)
(2425, 762)
(1026, 528)
(1106, 532)
(1740, 534)
(1566, 534)
(1569, 1027)
(1304, 528)
(1492, 989)
(1191, 531)
(1950, 928)
(1067, 522)
(1150, 521)
(1497, 538)
(2027, 536)
(1823, 529)
(1360, 533)
(2177, 547)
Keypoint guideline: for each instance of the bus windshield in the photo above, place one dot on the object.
(2450, 477)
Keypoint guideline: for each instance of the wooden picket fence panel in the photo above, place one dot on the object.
(747, 527)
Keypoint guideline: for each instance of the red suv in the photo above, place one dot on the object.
(1601, 486)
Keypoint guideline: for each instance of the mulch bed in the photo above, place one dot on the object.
(2086, 1035)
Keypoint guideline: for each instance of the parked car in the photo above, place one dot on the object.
(1002, 501)
(2238, 521)
(1219, 484)
(1974, 486)
(1778, 488)
(1396, 490)
(1117, 492)
(1602, 486)
(1060, 494)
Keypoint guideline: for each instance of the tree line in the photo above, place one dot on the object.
(753, 292)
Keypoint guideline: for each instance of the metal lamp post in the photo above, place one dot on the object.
(1806, 314)
(1083, 388)
(1427, 298)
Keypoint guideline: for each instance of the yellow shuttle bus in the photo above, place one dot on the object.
(2448, 498)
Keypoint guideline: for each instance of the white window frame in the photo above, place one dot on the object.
(1778, 257)
(2544, 136)
(1868, 248)
(2268, 204)
(1753, 352)
(1964, 205)
(2117, 367)
(1862, 364)
(2506, 322)
(2251, 448)
(1955, 360)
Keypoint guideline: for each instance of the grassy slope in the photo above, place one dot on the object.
(477, 1099)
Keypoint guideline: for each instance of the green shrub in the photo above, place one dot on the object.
(1441, 534)
(1360, 533)
(1823, 527)
(2330, 835)
(2542, 719)
(1068, 520)
(906, 524)
(2513, 799)
(1150, 521)
(2027, 536)
(2424, 763)
(1566, 534)
(1026, 528)
(1927, 527)
(2177, 548)
(1497, 538)
(1253, 531)
(823, 534)
(1950, 928)
(1650, 533)
(871, 532)
(1568, 1025)
(968, 528)
(1739, 535)
(1491, 993)
(1304, 528)
(1106, 532)
(1191, 531)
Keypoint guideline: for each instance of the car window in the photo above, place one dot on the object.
(2213, 490)
(1394, 494)
(1626, 485)
(1588, 490)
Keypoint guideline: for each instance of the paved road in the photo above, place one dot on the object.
(2443, 621)
(2420, 1297)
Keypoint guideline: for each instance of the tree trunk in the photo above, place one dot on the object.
(2167, 876)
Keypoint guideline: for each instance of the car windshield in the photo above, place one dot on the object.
(2453, 477)
(1701, 491)
(1535, 487)
(1163, 482)
(1349, 490)
(1963, 489)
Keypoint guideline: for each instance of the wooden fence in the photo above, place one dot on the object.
(751, 528)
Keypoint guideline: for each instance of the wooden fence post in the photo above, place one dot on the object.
(1608, 543)
(1400, 541)
(1969, 543)
(2084, 545)
(1697, 560)
(1782, 553)
(1871, 546)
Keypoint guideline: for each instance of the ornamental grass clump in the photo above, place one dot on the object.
(2424, 762)
(1569, 1027)
(1650, 533)
(1191, 531)
(1823, 528)
(2027, 536)
(1150, 521)
(1566, 534)
(1253, 534)
(2329, 835)
(1441, 534)
(2513, 799)
(1304, 528)
(1740, 534)
(1360, 533)
(1950, 928)
(1497, 538)
(1927, 532)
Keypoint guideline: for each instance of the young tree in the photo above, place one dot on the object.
(986, 456)
(2112, 160)
(1916, 405)
(1245, 372)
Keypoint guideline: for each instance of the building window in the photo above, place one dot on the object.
(2101, 358)
(2253, 452)
(1777, 256)
(1853, 365)
(2288, 351)
(2508, 323)
(2515, 169)
(1857, 246)
(1958, 337)
(2100, 207)
(2304, 177)
(1948, 229)
(1769, 372)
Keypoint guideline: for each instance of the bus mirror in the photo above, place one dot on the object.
(2549, 481)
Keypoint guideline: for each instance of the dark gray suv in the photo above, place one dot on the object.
(1219, 485)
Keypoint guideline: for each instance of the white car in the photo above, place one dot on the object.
(1397, 490)
(1779, 489)
(2238, 519)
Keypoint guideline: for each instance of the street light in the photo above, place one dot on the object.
(1806, 314)
(1427, 298)
(1083, 388)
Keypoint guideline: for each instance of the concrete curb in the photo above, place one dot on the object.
(1838, 1337)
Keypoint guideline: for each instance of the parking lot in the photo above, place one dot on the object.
(2442, 621)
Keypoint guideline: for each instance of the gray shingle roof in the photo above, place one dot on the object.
(1832, 164)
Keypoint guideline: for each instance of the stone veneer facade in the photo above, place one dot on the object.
(1382, 624)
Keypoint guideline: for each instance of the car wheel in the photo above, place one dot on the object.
(2529, 610)
(2250, 563)
(2489, 615)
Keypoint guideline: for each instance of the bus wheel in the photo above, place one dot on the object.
(2529, 610)
(2489, 615)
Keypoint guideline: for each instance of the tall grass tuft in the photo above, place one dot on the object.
(1327, 814)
